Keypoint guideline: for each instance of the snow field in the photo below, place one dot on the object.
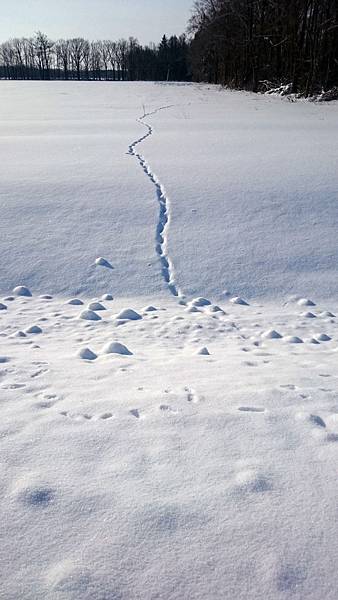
(168, 344)
(114, 462)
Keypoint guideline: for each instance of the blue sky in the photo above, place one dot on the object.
(94, 19)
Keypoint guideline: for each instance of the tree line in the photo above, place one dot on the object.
(39, 57)
(247, 44)
(259, 44)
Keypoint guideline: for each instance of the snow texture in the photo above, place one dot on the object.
(183, 443)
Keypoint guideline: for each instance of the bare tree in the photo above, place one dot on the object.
(63, 55)
(41, 58)
(243, 43)
(96, 59)
(105, 57)
(121, 57)
(44, 51)
(112, 53)
(78, 51)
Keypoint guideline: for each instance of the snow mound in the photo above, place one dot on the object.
(116, 348)
(33, 329)
(305, 302)
(75, 302)
(240, 301)
(107, 297)
(293, 339)
(216, 309)
(252, 481)
(200, 302)
(223, 433)
(22, 290)
(317, 420)
(19, 334)
(86, 354)
(89, 315)
(3, 306)
(327, 313)
(203, 352)
(271, 334)
(128, 314)
(103, 262)
(96, 306)
(308, 315)
(192, 309)
(314, 341)
(4, 359)
(150, 309)
(323, 337)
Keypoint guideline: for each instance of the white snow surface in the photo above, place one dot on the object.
(201, 463)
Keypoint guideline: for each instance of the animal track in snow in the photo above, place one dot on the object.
(106, 416)
(38, 373)
(13, 386)
(254, 409)
(289, 578)
(37, 496)
(191, 395)
(167, 408)
(164, 205)
(135, 413)
(32, 493)
(44, 404)
(86, 417)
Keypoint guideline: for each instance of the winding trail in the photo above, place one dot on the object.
(167, 267)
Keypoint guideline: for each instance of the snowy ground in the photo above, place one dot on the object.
(202, 464)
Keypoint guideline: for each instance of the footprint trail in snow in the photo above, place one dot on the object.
(167, 268)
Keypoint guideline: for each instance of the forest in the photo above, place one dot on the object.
(256, 45)
(259, 44)
(125, 60)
